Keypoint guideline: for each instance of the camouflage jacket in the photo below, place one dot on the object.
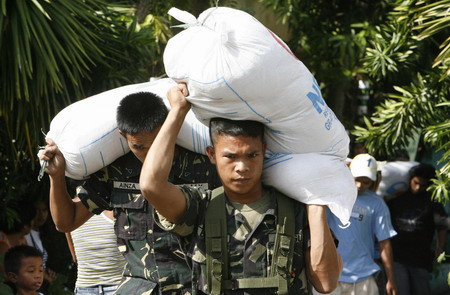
(250, 252)
(154, 258)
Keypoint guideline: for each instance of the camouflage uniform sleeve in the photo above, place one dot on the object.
(194, 198)
(95, 192)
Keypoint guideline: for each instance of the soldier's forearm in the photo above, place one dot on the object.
(66, 214)
(154, 184)
(61, 205)
(325, 264)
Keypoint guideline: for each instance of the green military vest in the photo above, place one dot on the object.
(217, 252)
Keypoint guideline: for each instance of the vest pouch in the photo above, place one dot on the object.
(131, 213)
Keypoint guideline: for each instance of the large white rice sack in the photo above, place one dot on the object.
(87, 135)
(395, 178)
(237, 68)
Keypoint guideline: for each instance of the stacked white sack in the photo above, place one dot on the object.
(86, 131)
(237, 68)
(395, 178)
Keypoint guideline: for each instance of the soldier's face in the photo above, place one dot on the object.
(141, 142)
(239, 161)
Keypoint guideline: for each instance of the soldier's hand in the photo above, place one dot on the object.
(56, 162)
(177, 97)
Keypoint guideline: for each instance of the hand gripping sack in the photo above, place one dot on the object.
(87, 135)
(238, 69)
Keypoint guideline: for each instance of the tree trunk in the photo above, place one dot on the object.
(336, 100)
(142, 10)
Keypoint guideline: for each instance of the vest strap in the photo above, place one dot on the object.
(216, 242)
(217, 251)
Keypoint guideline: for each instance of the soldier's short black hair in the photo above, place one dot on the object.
(423, 170)
(219, 126)
(15, 255)
(141, 111)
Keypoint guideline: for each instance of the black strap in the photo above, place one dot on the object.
(284, 243)
(216, 242)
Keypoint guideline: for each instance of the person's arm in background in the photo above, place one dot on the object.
(387, 258)
(440, 242)
(323, 262)
(66, 214)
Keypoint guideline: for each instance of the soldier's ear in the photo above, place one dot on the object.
(211, 154)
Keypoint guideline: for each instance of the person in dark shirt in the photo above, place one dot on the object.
(417, 218)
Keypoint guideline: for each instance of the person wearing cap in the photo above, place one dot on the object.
(370, 221)
(417, 219)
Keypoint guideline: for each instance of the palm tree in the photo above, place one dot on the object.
(53, 53)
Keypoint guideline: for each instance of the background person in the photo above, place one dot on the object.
(14, 234)
(417, 219)
(25, 269)
(99, 263)
(370, 222)
(33, 238)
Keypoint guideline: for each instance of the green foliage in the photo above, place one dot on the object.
(391, 50)
(441, 257)
(433, 19)
(54, 53)
(396, 120)
(46, 49)
(134, 51)
(405, 39)
(407, 43)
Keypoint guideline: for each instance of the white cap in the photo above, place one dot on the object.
(364, 165)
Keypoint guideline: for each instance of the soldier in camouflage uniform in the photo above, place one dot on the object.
(250, 248)
(155, 262)
(251, 215)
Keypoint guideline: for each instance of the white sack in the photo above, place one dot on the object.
(87, 135)
(313, 178)
(238, 69)
(395, 178)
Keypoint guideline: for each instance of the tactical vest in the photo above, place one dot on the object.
(217, 252)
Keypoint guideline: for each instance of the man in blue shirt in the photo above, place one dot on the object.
(370, 222)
